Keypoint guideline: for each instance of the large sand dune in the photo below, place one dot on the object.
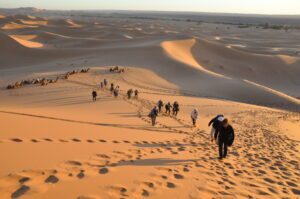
(56, 143)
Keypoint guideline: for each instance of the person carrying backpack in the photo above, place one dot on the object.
(194, 116)
(116, 91)
(94, 95)
(112, 88)
(160, 105)
(168, 108)
(129, 93)
(153, 114)
(216, 123)
(225, 137)
(175, 108)
(136, 93)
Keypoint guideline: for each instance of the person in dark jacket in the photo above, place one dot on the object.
(129, 93)
(94, 94)
(105, 82)
(216, 122)
(153, 114)
(136, 93)
(225, 136)
(175, 108)
(112, 88)
(160, 105)
(168, 107)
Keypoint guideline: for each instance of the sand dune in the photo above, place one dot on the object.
(281, 70)
(181, 51)
(31, 22)
(55, 142)
(135, 160)
(29, 44)
(13, 25)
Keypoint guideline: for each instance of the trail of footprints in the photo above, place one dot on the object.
(274, 170)
(78, 140)
(170, 177)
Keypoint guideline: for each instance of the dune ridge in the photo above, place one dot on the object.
(56, 142)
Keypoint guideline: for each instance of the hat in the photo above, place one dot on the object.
(221, 118)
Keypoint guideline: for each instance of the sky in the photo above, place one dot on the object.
(224, 6)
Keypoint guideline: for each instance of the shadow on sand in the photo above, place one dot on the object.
(137, 127)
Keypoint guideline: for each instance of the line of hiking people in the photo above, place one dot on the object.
(115, 90)
(222, 133)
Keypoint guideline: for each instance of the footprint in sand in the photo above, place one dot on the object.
(52, 179)
(48, 140)
(119, 190)
(171, 185)
(103, 170)
(76, 140)
(296, 191)
(19, 192)
(178, 176)
(103, 156)
(34, 140)
(80, 175)
(16, 140)
(102, 141)
(88, 197)
(24, 179)
(74, 163)
(291, 184)
(90, 141)
(145, 193)
(149, 184)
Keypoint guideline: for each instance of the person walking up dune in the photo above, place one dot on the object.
(112, 88)
(168, 107)
(136, 93)
(160, 105)
(175, 108)
(216, 123)
(101, 85)
(194, 116)
(153, 114)
(116, 91)
(225, 137)
(94, 95)
(129, 93)
(105, 82)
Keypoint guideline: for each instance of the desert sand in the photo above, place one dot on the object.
(55, 142)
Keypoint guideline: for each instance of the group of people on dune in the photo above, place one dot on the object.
(221, 132)
(158, 109)
(115, 90)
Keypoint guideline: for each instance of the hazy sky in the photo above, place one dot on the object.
(231, 6)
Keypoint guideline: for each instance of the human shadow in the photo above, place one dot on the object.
(158, 162)
(127, 126)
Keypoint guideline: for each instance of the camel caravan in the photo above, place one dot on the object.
(44, 81)
(116, 69)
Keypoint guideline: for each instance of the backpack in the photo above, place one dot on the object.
(230, 138)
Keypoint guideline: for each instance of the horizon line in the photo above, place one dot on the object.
(181, 11)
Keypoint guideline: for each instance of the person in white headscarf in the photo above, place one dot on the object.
(216, 122)
(194, 116)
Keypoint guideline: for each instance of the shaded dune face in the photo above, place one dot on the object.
(207, 68)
